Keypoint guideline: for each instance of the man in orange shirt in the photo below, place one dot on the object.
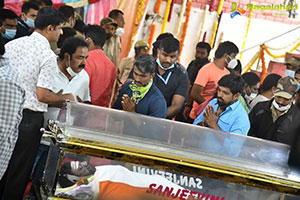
(100, 69)
(208, 76)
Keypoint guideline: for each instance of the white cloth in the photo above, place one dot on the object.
(78, 86)
(34, 61)
(257, 99)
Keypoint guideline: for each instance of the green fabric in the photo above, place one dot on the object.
(244, 104)
(138, 93)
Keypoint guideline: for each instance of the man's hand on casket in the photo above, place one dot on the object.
(128, 103)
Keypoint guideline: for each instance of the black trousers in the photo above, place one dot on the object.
(16, 177)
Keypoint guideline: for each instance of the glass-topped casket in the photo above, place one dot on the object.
(100, 153)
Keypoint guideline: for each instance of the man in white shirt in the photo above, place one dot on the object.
(31, 57)
(69, 77)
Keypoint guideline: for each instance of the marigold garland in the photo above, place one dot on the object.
(251, 62)
(157, 7)
(139, 15)
(185, 26)
(263, 61)
(152, 30)
(247, 30)
(164, 24)
(282, 55)
(286, 46)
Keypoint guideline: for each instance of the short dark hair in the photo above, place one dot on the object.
(29, 5)
(2, 43)
(251, 78)
(7, 14)
(47, 2)
(226, 47)
(232, 81)
(67, 32)
(39, 3)
(169, 45)
(204, 45)
(238, 67)
(79, 26)
(67, 11)
(297, 70)
(96, 33)
(48, 16)
(269, 82)
(145, 63)
(115, 13)
(157, 42)
(70, 46)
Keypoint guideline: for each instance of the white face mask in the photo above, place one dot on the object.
(290, 73)
(251, 97)
(71, 72)
(120, 31)
(282, 108)
(232, 63)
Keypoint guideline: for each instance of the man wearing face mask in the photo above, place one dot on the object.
(109, 26)
(9, 23)
(112, 47)
(252, 84)
(26, 19)
(208, 76)
(270, 120)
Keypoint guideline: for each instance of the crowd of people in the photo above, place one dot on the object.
(48, 56)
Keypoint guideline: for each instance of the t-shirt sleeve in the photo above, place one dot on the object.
(46, 77)
(182, 85)
(202, 76)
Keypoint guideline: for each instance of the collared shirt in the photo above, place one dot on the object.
(12, 97)
(34, 61)
(173, 81)
(103, 74)
(234, 119)
(78, 86)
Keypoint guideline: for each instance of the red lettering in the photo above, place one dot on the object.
(207, 197)
(168, 191)
(222, 198)
(174, 197)
(193, 195)
(158, 190)
(199, 195)
(214, 198)
(151, 187)
(183, 194)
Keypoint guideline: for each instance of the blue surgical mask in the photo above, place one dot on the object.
(29, 22)
(9, 33)
(298, 86)
(164, 68)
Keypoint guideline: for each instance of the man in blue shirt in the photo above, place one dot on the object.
(141, 95)
(225, 112)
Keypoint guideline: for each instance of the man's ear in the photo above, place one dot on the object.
(2, 29)
(236, 96)
(152, 75)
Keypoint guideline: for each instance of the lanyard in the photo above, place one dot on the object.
(164, 80)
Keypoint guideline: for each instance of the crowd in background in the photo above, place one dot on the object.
(48, 56)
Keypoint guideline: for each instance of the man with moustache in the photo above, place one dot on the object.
(225, 112)
(141, 95)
